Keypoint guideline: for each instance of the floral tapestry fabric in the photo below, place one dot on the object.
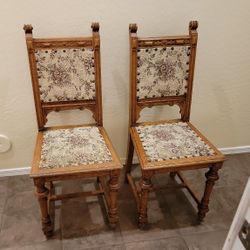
(172, 141)
(162, 71)
(73, 147)
(65, 74)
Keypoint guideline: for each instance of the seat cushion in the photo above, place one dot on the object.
(73, 147)
(171, 141)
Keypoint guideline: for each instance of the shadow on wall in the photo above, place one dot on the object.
(70, 117)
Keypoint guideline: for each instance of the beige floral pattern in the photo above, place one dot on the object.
(73, 147)
(65, 74)
(172, 141)
(162, 71)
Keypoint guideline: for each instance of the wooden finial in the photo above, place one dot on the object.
(193, 25)
(133, 28)
(28, 28)
(95, 27)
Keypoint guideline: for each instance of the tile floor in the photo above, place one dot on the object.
(83, 224)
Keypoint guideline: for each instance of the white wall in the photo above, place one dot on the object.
(222, 79)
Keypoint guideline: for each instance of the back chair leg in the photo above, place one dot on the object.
(145, 185)
(113, 191)
(212, 176)
(42, 195)
(130, 155)
(172, 174)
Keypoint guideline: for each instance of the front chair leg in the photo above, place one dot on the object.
(146, 185)
(42, 195)
(113, 191)
(212, 176)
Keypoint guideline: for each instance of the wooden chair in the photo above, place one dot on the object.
(161, 73)
(66, 74)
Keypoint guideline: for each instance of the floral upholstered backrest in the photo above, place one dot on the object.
(65, 74)
(162, 71)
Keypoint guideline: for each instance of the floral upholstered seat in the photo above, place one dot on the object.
(168, 141)
(73, 147)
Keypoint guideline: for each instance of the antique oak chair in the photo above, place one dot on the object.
(66, 74)
(161, 73)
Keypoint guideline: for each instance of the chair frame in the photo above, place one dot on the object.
(42, 177)
(149, 169)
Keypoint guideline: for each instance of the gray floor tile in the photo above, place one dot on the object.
(175, 243)
(101, 239)
(20, 229)
(20, 183)
(3, 192)
(83, 222)
(21, 201)
(111, 247)
(234, 172)
(46, 245)
(3, 197)
(21, 225)
(161, 223)
(206, 241)
(84, 225)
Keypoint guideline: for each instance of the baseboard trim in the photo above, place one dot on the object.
(14, 171)
(26, 170)
(235, 150)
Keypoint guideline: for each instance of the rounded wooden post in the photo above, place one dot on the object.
(130, 154)
(212, 176)
(42, 195)
(113, 191)
(146, 185)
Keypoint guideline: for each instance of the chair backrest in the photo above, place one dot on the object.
(161, 71)
(66, 74)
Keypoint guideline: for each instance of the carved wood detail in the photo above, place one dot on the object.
(163, 42)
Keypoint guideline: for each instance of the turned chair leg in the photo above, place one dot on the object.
(146, 185)
(42, 195)
(113, 191)
(130, 154)
(212, 176)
